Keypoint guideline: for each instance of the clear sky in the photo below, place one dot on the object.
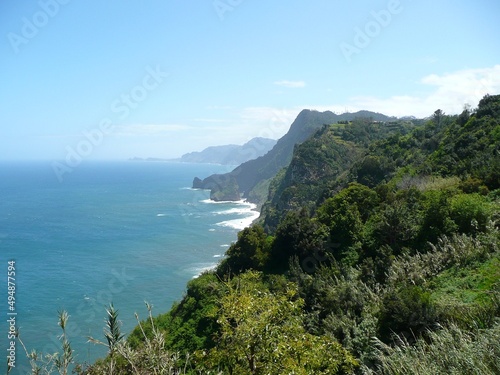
(116, 79)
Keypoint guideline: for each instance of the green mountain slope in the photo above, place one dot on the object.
(256, 173)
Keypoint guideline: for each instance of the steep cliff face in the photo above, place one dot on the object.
(222, 187)
(323, 157)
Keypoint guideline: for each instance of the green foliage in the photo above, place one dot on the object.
(189, 325)
(321, 158)
(225, 190)
(470, 212)
(449, 351)
(262, 333)
(251, 251)
(406, 312)
(472, 150)
(345, 217)
(370, 171)
(436, 216)
(297, 235)
(113, 333)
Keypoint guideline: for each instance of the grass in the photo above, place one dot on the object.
(449, 351)
(471, 285)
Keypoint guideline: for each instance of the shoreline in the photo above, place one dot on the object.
(238, 224)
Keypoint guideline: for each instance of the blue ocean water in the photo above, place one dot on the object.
(120, 232)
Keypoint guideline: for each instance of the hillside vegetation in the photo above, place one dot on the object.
(377, 253)
(251, 179)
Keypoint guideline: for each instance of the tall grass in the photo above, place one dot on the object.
(448, 351)
(459, 250)
(47, 364)
(150, 358)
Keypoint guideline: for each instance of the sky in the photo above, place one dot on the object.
(116, 79)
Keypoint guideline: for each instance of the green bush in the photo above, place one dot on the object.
(470, 212)
(406, 312)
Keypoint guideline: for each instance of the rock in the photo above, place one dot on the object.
(222, 187)
(197, 183)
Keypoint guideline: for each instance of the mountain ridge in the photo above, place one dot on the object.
(251, 179)
(231, 154)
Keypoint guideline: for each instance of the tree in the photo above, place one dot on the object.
(437, 117)
(297, 235)
(262, 333)
(370, 171)
(250, 251)
(344, 221)
(471, 212)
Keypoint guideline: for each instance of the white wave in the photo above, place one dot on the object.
(231, 211)
(225, 245)
(248, 210)
(197, 271)
(241, 202)
(217, 255)
(240, 223)
(211, 230)
(161, 215)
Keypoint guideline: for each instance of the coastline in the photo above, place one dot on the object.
(250, 215)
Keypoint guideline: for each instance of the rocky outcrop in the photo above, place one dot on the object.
(222, 187)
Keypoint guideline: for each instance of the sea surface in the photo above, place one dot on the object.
(121, 232)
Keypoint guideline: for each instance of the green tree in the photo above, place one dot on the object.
(470, 212)
(436, 219)
(344, 223)
(297, 235)
(262, 333)
(250, 251)
(370, 171)
(407, 312)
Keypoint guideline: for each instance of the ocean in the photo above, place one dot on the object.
(121, 232)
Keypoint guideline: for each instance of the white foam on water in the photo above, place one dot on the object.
(197, 271)
(211, 201)
(246, 209)
(232, 211)
(240, 223)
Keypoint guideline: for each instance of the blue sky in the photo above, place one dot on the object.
(114, 79)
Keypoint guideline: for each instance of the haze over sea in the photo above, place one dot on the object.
(121, 232)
